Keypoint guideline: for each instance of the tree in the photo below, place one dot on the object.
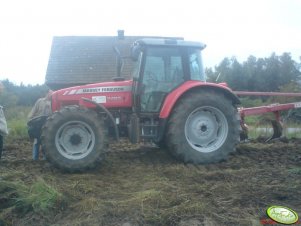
(21, 95)
(262, 74)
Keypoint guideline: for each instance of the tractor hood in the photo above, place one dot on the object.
(109, 94)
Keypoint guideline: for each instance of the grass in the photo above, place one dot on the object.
(292, 134)
(295, 170)
(17, 129)
(17, 122)
(38, 197)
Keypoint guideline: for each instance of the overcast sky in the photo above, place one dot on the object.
(229, 28)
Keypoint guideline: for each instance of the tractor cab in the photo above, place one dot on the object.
(161, 66)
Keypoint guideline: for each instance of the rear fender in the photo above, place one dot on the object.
(188, 86)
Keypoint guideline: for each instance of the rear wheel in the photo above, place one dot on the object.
(74, 139)
(203, 128)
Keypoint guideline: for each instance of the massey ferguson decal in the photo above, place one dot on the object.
(106, 89)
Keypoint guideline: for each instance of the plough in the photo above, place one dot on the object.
(276, 108)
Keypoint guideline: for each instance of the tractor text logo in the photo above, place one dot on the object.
(106, 89)
(282, 214)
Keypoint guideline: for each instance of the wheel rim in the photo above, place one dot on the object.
(206, 129)
(75, 140)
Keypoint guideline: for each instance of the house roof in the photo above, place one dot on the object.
(76, 60)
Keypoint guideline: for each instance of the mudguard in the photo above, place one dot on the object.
(172, 98)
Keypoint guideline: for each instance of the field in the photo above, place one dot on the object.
(143, 185)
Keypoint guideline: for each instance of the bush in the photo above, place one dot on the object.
(251, 102)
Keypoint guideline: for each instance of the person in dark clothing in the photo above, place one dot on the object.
(38, 115)
(3, 125)
(1, 145)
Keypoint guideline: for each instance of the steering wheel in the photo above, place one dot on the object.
(149, 75)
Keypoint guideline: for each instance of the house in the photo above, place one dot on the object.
(78, 60)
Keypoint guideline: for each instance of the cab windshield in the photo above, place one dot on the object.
(196, 65)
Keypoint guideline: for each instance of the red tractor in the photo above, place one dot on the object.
(167, 102)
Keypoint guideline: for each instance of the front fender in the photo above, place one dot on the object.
(176, 94)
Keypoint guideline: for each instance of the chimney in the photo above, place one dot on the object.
(120, 34)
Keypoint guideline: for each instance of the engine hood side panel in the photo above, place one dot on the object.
(109, 94)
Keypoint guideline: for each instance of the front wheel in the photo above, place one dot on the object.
(74, 139)
(203, 128)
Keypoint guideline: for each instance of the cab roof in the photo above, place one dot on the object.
(169, 42)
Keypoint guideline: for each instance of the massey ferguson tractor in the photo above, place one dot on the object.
(167, 102)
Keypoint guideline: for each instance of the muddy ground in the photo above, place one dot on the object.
(143, 185)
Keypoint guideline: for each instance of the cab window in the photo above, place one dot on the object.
(163, 71)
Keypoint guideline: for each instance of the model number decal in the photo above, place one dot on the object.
(105, 99)
(115, 98)
(297, 105)
(100, 99)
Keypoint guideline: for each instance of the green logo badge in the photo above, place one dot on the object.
(282, 214)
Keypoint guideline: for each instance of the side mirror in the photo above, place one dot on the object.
(135, 52)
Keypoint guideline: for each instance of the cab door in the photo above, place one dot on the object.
(161, 72)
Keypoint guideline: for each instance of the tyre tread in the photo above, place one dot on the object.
(176, 140)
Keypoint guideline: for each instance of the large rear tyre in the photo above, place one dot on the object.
(74, 139)
(203, 128)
